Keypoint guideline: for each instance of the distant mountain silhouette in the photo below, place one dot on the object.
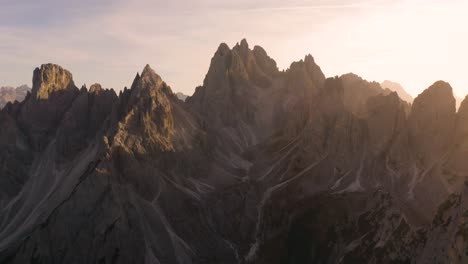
(10, 94)
(181, 96)
(258, 166)
(396, 87)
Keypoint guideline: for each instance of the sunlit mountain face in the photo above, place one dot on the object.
(337, 138)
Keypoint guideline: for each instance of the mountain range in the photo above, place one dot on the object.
(10, 94)
(257, 166)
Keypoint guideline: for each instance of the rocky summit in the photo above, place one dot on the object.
(257, 166)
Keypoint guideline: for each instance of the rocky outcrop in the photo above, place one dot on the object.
(50, 79)
(83, 120)
(357, 91)
(52, 95)
(305, 77)
(147, 111)
(432, 122)
(454, 167)
(386, 119)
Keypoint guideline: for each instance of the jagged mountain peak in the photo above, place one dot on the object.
(52, 95)
(243, 45)
(238, 66)
(95, 88)
(306, 72)
(264, 61)
(432, 121)
(149, 76)
(352, 76)
(51, 78)
(438, 94)
(440, 86)
(309, 59)
(223, 49)
(148, 84)
(148, 93)
(357, 91)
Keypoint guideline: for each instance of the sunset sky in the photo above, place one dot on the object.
(412, 42)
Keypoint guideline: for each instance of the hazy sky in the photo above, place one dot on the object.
(413, 42)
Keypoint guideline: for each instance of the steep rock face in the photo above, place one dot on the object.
(357, 91)
(150, 133)
(244, 93)
(267, 64)
(83, 119)
(455, 168)
(147, 109)
(386, 120)
(304, 82)
(52, 95)
(305, 77)
(15, 157)
(220, 97)
(230, 86)
(432, 122)
(416, 158)
(50, 79)
(332, 151)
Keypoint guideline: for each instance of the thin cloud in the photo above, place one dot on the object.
(321, 7)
